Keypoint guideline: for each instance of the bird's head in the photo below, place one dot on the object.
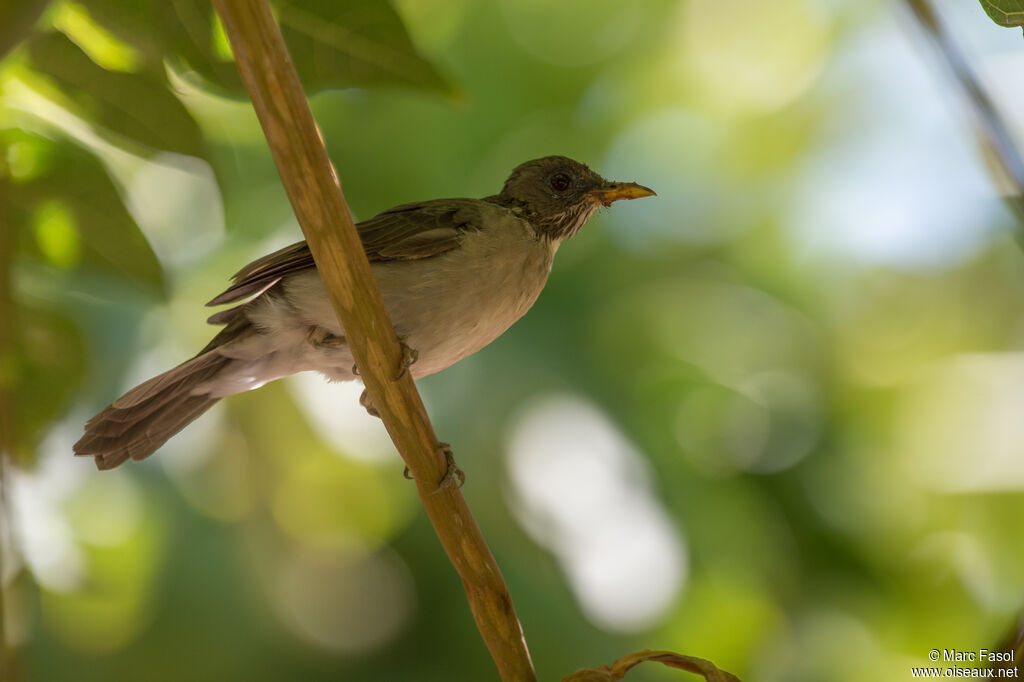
(558, 195)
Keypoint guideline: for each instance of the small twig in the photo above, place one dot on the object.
(992, 129)
(316, 197)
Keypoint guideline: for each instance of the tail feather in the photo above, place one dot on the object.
(148, 438)
(198, 369)
(159, 392)
(139, 422)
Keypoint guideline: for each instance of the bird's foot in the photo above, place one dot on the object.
(409, 358)
(452, 472)
(364, 400)
(323, 338)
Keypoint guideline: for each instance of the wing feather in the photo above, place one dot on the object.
(406, 232)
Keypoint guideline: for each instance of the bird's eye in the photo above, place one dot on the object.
(560, 182)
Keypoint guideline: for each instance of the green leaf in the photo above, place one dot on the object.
(17, 17)
(359, 43)
(68, 187)
(134, 106)
(1005, 12)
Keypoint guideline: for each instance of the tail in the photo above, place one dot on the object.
(142, 420)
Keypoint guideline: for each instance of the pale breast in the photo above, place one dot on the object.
(454, 304)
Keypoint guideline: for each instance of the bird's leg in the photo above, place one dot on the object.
(320, 337)
(364, 400)
(453, 471)
(409, 357)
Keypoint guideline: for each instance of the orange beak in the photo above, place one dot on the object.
(613, 191)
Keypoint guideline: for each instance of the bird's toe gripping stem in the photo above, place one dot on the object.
(364, 400)
(409, 358)
(452, 471)
(324, 339)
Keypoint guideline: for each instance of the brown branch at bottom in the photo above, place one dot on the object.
(617, 670)
(316, 197)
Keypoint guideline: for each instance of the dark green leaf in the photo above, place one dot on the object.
(74, 181)
(181, 31)
(16, 20)
(134, 106)
(359, 43)
(1005, 12)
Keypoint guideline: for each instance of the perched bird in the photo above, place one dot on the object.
(454, 275)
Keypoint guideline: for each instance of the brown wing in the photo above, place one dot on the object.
(406, 232)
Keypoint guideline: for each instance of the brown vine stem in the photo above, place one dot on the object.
(315, 194)
(992, 130)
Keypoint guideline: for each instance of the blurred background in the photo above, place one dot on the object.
(771, 418)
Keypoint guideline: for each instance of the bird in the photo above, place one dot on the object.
(454, 275)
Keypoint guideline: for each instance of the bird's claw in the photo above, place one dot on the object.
(452, 471)
(364, 400)
(322, 338)
(409, 357)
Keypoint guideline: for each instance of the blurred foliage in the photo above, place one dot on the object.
(137, 106)
(16, 20)
(770, 418)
